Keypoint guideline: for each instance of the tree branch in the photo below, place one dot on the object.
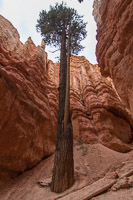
(54, 51)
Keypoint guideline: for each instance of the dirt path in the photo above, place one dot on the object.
(92, 162)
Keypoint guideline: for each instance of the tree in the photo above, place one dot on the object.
(62, 27)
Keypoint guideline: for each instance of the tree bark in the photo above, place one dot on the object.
(67, 118)
(63, 171)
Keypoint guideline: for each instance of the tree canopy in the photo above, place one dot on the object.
(50, 24)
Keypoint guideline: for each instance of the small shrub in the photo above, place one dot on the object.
(79, 142)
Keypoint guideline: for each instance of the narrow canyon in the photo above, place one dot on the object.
(101, 105)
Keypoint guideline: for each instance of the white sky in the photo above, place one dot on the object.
(23, 14)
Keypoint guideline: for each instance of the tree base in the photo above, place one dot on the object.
(63, 171)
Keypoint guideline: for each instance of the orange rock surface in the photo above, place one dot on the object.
(28, 103)
(97, 112)
(115, 44)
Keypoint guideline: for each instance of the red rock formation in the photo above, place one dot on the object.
(97, 111)
(115, 44)
(28, 103)
(98, 114)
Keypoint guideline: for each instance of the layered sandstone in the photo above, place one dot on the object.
(97, 112)
(28, 103)
(115, 44)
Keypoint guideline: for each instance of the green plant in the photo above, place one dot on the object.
(85, 150)
(79, 142)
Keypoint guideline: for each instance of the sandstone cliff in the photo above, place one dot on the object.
(115, 44)
(97, 112)
(28, 103)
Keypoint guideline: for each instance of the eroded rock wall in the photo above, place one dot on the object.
(28, 103)
(115, 44)
(97, 112)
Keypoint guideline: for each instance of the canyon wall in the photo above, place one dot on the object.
(97, 112)
(115, 44)
(28, 103)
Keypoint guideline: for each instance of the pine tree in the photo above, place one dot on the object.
(62, 27)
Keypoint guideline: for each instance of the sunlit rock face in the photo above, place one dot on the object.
(97, 112)
(115, 44)
(28, 103)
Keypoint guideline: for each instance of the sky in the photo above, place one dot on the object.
(23, 14)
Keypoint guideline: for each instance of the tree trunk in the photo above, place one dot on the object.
(63, 171)
(67, 118)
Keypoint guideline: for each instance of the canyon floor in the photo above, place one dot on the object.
(100, 173)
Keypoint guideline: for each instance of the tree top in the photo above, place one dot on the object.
(50, 24)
